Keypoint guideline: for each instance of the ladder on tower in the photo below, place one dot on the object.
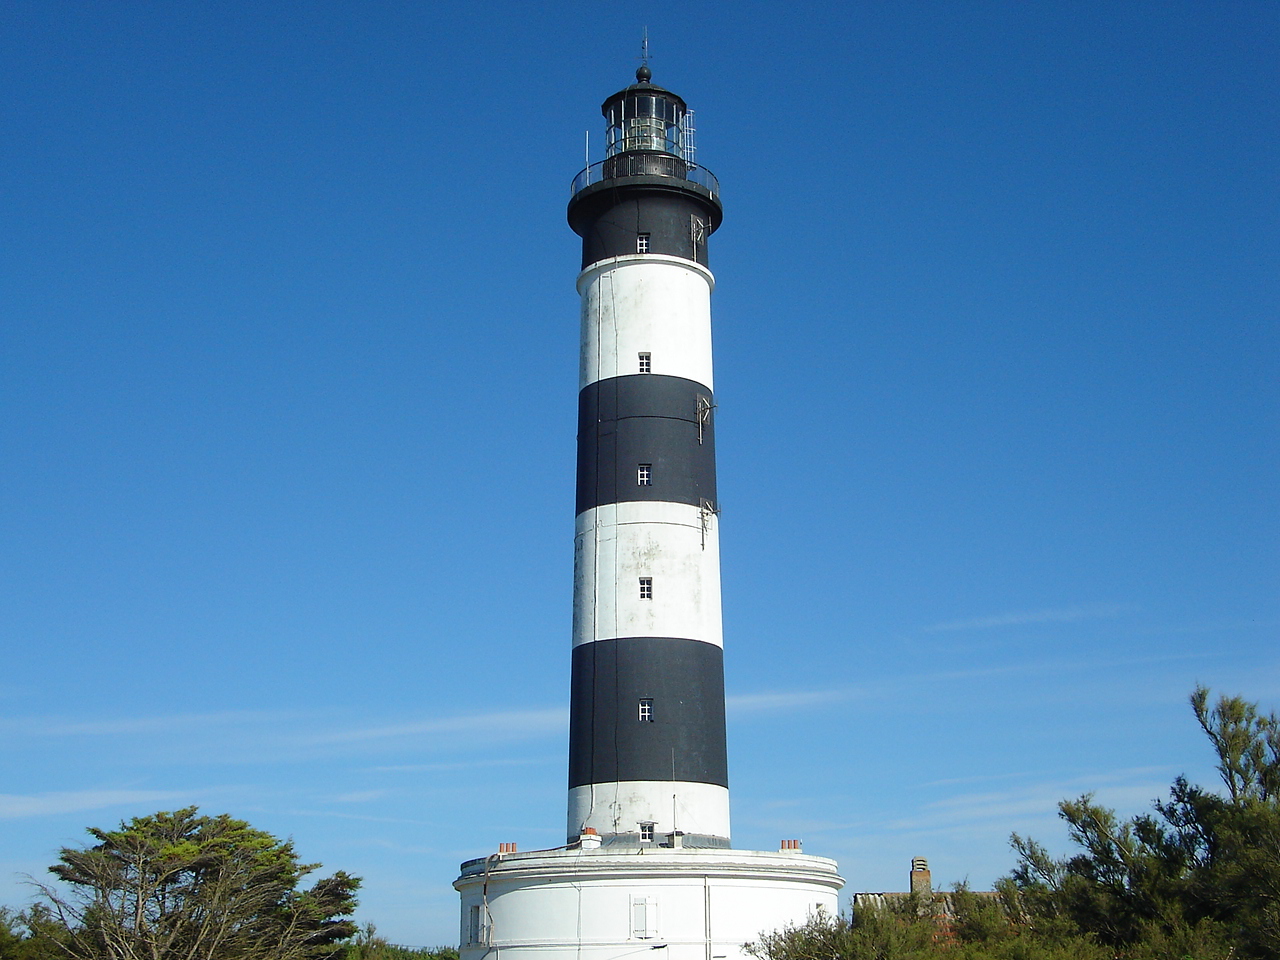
(687, 131)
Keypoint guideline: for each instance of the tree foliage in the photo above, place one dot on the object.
(367, 945)
(1199, 876)
(956, 926)
(33, 934)
(894, 932)
(184, 886)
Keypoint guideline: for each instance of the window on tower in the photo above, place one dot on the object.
(646, 588)
(642, 243)
(644, 475)
(646, 363)
(646, 710)
(646, 831)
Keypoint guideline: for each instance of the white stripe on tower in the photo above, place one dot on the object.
(646, 303)
(647, 741)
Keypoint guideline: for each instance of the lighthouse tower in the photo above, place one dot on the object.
(646, 728)
(647, 862)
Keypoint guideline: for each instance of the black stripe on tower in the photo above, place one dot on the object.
(665, 423)
(683, 736)
(676, 223)
(645, 193)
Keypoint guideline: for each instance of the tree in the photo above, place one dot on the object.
(32, 934)
(368, 945)
(184, 886)
(958, 926)
(895, 931)
(1199, 877)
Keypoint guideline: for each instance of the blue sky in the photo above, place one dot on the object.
(288, 372)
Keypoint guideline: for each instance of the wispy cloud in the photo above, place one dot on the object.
(16, 806)
(464, 765)
(120, 726)
(258, 736)
(365, 818)
(360, 796)
(512, 723)
(739, 704)
(1128, 790)
(968, 814)
(986, 778)
(1094, 611)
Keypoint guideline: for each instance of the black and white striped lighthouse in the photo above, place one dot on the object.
(647, 730)
(647, 863)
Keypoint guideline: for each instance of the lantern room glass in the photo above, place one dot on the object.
(644, 121)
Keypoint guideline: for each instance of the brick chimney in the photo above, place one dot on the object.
(921, 879)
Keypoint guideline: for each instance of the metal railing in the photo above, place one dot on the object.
(645, 165)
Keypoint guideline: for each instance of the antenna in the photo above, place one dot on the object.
(643, 73)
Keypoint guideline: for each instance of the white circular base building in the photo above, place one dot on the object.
(608, 903)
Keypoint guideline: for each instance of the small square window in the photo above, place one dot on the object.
(646, 588)
(646, 831)
(642, 243)
(646, 710)
(646, 363)
(644, 475)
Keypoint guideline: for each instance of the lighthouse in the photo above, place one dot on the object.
(647, 862)
(646, 729)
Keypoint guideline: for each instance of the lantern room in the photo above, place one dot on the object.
(645, 117)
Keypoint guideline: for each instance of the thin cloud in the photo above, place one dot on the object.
(464, 765)
(17, 806)
(1128, 789)
(254, 737)
(1096, 611)
(985, 778)
(120, 726)
(360, 796)
(739, 704)
(365, 818)
(512, 723)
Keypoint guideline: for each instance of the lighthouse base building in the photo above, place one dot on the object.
(647, 863)
(603, 903)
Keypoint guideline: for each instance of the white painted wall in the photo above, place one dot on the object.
(620, 807)
(580, 904)
(618, 543)
(646, 303)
